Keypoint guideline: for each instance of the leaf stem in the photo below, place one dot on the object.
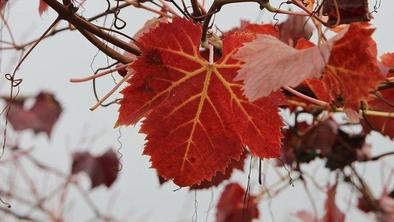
(106, 96)
(98, 75)
(305, 97)
(366, 112)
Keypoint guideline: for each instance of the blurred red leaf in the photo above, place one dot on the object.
(100, 169)
(2, 4)
(42, 7)
(233, 208)
(384, 102)
(41, 117)
(294, 28)
(307, 216)
(332, 212)
(388, 59)
(349, 11)
(321, 137)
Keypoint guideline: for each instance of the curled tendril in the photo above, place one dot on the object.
(118, 22)
(11, 78)
(276, 13)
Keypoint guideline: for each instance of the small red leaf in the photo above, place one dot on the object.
(42, 7)
(333, 213)
(100, 169)
(41, 117)
(232, 207)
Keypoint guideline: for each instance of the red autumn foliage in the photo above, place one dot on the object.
(383, 102)
(199, 125)
(234, 206)
(293, 29)
(42, 7)
(350, 77)
(102, 170)
(221, 177)
(41, 117)
(204, 118)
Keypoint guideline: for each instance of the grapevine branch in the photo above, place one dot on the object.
(67, 12)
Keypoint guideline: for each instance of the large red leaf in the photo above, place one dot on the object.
(220, 177)
(197, 119)
(233, 207)
(353, 70)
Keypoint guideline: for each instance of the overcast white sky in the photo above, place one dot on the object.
(68, 55)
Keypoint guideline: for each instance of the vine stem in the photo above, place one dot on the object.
(139, 5)
(98, 75)
(218, 4)
(366, 112)
(379, 156)
(67, 12)
(12, 81)
(305, 97)
(112, 91)
(301, 6)
(7, 26)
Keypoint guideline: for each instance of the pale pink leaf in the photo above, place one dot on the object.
(270, 64)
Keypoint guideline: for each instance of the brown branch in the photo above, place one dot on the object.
(378, 157)
(104, 48)
(196, 8)
(68, 13)
(56, 31)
